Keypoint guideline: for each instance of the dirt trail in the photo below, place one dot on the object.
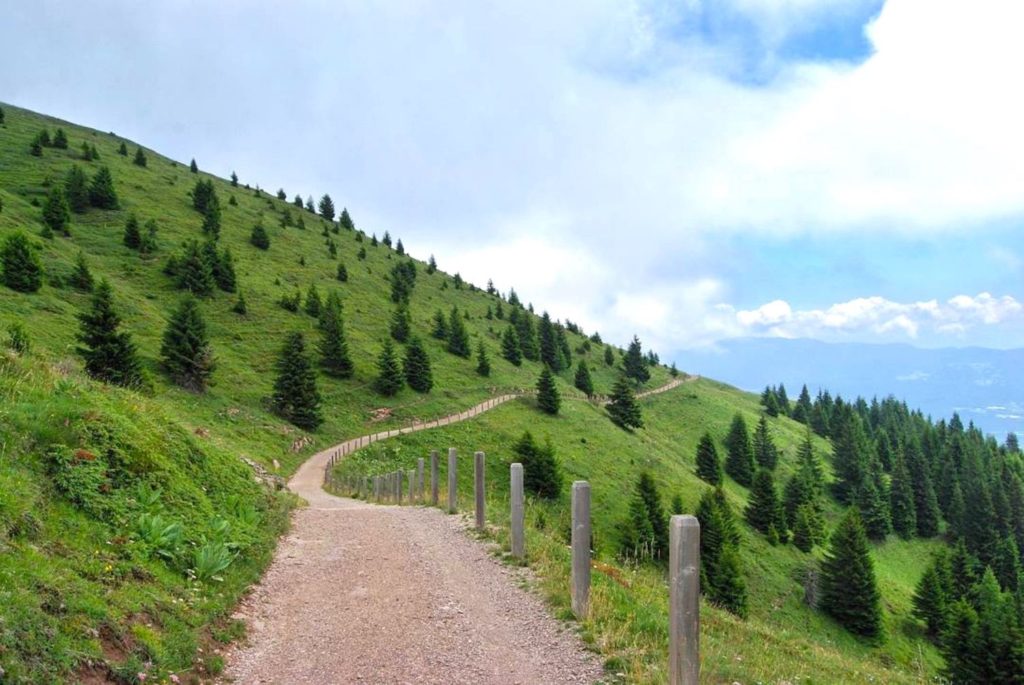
(361, 593)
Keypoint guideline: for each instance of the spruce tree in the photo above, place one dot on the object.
(634, 364)
(510, 347)
(132, 235)
(81, 278)
(765, 453)
(313, 303)
(2, 119)
(848, 589)
(483, 363)
(345, 220)
(440, 328)
(389, 374)
(36, 147)
(296, 398)
(234, 180)
(401, 323)
(122, 150)
(548, 399)
(342, 274)
(416, 366)
(22, 270)
(548, 344)
(223, 268)
(76, 189)
(527, 335)
(764, 512)
(193, 271)
(140, 157)
(721, 579)
(648, 492)
(851, 455)
(926, 504)
(44, 138)
(458, 337)
(636, 537)
(933, 596)
(541, 475)
(583, 382)
(873, 503)
(805, 530)
(709, 469)
(240, 307)
(623, 408)
(739, 460)
(609, 356)
(56, 213)
(193, 167)
(60, 139)
(901, 500)
(259, 238)
(961, 645)
(109, 353)
(101, 191)
(327, 207)
(334, 356)
(185, 353)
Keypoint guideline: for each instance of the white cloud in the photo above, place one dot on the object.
(878, 316)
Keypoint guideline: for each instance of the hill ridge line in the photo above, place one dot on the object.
(308, 479)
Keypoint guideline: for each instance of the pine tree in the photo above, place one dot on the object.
(60, 139)
(458, 337)
(122, 150)
(805, 528)
(132, 236)
(211, 221)
(240, 307)
(851, 454)
(901, 500)
(389, 374)
(44, 138)
(510, 347)
(401, 323)
(721, 579)
(548, 399)
(933, 596)
(140, 157)
(583, 382)
(76, 189)
(709, 469)
(101, 190)
(739, 460)
(342, 274)
(223, 268)
(36, 147)
(327, 207)
(334, 356)
(765, 453)
(960, 645)
(874, 507)
(622, 407)
(548, 344)
(440, 328)
(2, 119)
(541, 475)
(56, 213)
(926, 504)
(764, 512)
(193, 271)
(417, 366)
(609, 356)
(109, 353)
(848, 590)
(296, 398)
(648, 492)
(527, 335)
(22, 270)
(633, 363)
(185, 353)
(313, 303)
(483, 363)
(193, 167)
(259, 238)
(770, 402)
(81, 278)
(234, 181)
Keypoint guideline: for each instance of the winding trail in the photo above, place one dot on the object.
(363, 593)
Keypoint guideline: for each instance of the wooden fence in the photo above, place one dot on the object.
(684, 543)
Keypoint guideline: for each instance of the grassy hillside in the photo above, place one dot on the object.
(64, 614)
(782, 641)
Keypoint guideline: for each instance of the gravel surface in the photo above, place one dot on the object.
(360, 593)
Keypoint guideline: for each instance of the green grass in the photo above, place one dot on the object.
(79, 595)
(782, 641)
(50, 641)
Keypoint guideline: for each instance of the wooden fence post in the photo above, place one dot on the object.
(478, 487)
(453, 483)
(518, 514)
(580, 548)
(684, 600)
(398, 487)
(433, 478)
(412, 486)
(419, 477)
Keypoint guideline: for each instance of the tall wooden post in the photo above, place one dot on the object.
(684, 600)
(518, 514)
(419, 480)
(580, 548)
(434, 478)
(453, 482)
(478, 488)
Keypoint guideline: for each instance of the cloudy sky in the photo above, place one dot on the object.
(688, 170)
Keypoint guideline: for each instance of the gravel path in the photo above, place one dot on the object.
(362, 593)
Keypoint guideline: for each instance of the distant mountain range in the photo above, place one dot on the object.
(984, 385)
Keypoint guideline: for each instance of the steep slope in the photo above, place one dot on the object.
(88, 631)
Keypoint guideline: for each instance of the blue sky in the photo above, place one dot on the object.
(688, 170)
